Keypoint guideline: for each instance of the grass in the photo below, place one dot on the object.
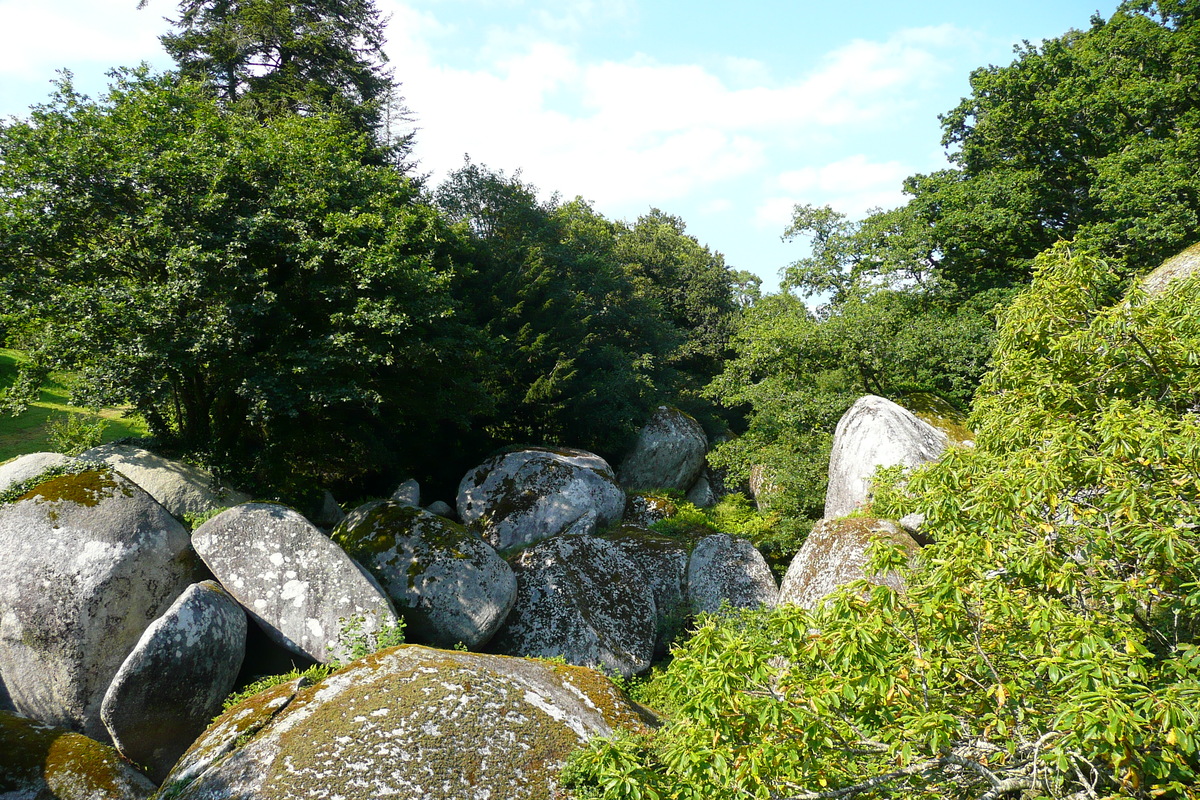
(28, 432)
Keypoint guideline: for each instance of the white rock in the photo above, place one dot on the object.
(668, 454)
(725, 569)
(181, 488)
(834, 554)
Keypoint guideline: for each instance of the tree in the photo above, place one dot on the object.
(1048, 641)
(578, 352)
(263, 295)
(283, 56)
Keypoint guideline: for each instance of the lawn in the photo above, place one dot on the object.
(28, 433)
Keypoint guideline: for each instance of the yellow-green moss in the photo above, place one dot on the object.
(71, 766)
(940, 414)
(88, 488)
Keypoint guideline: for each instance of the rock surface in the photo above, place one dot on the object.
(730, 570)
(87, 562)
(643, 510)
(450, 586)
(580, 598)
(519, 498)
(408, 493)
(41, 762)
(175, 680)
(29, 466)
(409, 722)
(875, 433)
(701, 494)
(664, 562)
(180, 488)
(834, 554)
(296, 584)
(1177, 267)
(668, 454)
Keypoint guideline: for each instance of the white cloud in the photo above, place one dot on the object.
(852, 185)
(638, 130)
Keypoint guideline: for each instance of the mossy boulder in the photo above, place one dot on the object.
(834, 554)
(518, 498)
(87, 562)
(42, 762)
(1176, 268)
(175, 680)
(644, 509)
(305, 593)
(449, 585)
(875, 433)
(409, 722)
(663, 561)
(668, 454)
(728, 570)
(580, 598)
(180, 487)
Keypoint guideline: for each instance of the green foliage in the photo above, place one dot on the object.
(271, 57)
(359, 643)
(72, 434)
(194, 519)
(1048, 639)
(265, 299)
(315, 674)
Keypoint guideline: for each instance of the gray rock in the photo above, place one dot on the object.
(668, 454)
(913, 524)
(87, 562)
(181, 488)
(730, 570)
(875, 433)
(762, 487)
(175, 680)
(441, 508)
(580, 598)
(449, 585)
(643, 510)
(409, 722)
(519, 498)
(42, 762)
(1178, 267)
(22, 468)
(701, 494)
(664, 562)
(834, 554)
(296, 584)
(408, 493)
(330, 513)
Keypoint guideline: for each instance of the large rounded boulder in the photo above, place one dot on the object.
(42, 762)
(518, 498)
(449, 585)
(181, 488)
(836, 553)
(176, 679)
(726, 570)
(408, 722)
(668, 454)
(305, 593)
(580, 598)
(87, 562)
(875, 433)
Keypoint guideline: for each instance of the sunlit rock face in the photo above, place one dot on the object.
(875, 433)
(87, 562)
(408, 722)
(728, 570)
(836, 553)
(305, 593)
(519, 498)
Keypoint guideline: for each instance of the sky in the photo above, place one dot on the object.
(724, 114)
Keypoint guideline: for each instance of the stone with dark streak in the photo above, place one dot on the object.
(175, 680)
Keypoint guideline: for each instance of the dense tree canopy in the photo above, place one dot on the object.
(257, 291)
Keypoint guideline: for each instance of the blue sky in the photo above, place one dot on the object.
(724, 114)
